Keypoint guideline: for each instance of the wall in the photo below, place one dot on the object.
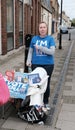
(3, 26)
(4, 33)
(31, 18)
(50, 24)
(46, 17)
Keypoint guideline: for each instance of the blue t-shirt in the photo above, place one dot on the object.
(39, 57)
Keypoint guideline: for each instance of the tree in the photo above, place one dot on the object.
(73, 22)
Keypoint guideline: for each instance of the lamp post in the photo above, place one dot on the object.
(60, 35)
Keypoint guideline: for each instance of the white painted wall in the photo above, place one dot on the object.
(50, 24)
(44, 15)
(14, 23)
(27, 1)
(47, 17)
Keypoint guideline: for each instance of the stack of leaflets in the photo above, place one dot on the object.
(18, 88)
(27, 78)
(34, 78)
(21, 77)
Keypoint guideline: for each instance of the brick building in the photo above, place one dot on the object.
(55, 14)
(17, 18)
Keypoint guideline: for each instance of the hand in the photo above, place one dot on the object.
(36, 46)
(28, 64)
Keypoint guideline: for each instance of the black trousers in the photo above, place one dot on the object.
(49, 70)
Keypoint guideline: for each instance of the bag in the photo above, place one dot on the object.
(4, 91)
(31, 114)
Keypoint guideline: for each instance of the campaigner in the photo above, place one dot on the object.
(41, 54)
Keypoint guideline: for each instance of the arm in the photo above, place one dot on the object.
(29, 57)
(48, 51)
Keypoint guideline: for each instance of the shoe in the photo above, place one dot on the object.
(47, 107)
(41, 123)
(44, 109)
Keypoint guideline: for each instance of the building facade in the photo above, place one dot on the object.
(46, 14)
(19, 18)
(11, 21)
(55, 15)
(65, 20)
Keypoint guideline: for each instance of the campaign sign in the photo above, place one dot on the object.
(34, 78)
(17, 89)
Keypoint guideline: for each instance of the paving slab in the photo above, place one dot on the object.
(66, 120)
(13, 123)
(65, 125)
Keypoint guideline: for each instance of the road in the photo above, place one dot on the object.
(72, 36)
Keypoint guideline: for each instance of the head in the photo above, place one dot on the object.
(43, 29)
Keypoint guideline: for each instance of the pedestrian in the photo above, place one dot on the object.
(41, 54)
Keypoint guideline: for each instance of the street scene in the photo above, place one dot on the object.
(62, 88)
(14, 48)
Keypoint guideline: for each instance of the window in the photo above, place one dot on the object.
(9, 16)
(20, 23)
(20, 16)
(10, 25)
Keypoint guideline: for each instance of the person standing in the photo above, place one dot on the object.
(41, 54)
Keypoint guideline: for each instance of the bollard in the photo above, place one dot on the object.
(69, 36)
(28, 38)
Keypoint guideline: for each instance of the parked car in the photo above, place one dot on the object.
(64, 30)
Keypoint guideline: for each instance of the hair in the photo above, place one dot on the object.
(44, 23)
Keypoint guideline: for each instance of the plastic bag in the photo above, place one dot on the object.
(4, 91)
(32, 114)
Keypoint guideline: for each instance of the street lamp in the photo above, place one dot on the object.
(60, 35)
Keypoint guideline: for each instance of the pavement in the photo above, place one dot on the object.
(66, 117)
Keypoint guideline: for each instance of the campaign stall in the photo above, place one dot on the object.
(25, 84)
(33, 85)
